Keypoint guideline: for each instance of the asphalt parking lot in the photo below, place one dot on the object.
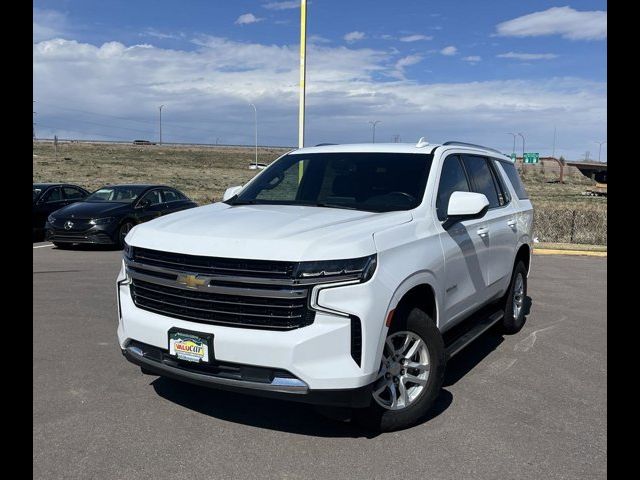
(528, 406)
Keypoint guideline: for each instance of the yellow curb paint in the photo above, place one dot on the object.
(550, 251)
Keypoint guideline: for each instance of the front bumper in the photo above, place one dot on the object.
(318, 355)
(268, 383)
(96, 235)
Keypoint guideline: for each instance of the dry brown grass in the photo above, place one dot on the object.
(203, 173)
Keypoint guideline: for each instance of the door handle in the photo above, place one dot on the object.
(512, 223)
(483, 231)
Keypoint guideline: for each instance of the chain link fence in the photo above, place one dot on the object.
(567, 225)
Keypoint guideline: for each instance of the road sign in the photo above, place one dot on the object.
(513, 157)
(531, 157)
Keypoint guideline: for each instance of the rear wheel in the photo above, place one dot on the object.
(123, 231)
(514, 302)
(410, 375)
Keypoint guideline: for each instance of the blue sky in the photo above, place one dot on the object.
(463, 70)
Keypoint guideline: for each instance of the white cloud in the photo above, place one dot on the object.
(448, 51)
(403, 63)
(415, 38)
(565, 21)
(48, 24)
(247, 18)
(344, 90)
(528, 56)
(287, 5)
(472, 58)
(318, 39)
(354, 36)
(152, 32)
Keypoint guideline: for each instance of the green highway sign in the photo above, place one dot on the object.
(531, 157)
(514, 157)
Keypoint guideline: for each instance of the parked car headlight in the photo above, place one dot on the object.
(101, 221)
(349, 269)
(51, 218)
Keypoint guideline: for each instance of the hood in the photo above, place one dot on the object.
(274, 232)
(92, 209)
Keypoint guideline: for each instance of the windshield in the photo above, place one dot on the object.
(377, 182)
(122, 194)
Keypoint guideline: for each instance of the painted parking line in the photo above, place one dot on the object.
(43, 246)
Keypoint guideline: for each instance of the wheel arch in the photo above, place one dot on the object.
(523, 254)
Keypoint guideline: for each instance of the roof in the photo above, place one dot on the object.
(390, 148)
(136, 185)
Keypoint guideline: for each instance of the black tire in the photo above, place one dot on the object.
(379, 418)
(122, 232)
(512, 323)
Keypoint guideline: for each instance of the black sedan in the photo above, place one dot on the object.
(49, 197)
(106, 216)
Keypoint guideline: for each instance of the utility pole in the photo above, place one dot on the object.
(586, 155)
(34, 122)
(600, 148)
(514, 141)
(522, 145)
(396, 138)
(161, 124)
(255, 111)
(373, 124)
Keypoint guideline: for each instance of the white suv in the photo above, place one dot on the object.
(341, 275)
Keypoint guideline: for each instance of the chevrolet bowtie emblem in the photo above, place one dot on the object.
(191, 281)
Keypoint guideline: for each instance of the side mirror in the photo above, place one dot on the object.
(466, 206)
(230, 192)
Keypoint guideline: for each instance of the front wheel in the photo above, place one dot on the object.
(122, 232)
(514, 302)
(410, 375)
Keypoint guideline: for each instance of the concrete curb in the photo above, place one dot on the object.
(553, 251)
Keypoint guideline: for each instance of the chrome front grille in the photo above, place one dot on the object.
(221, 291)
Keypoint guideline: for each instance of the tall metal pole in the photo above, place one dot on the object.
(303, 81)
(514, 141)
(553, 154)
(522, 145)
(161, 123)
(34, 123)
(303, 70)
(600, 148)
(374, 123)
(255, 111)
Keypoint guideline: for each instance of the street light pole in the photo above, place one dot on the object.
(522, 145)
(255, 111)
(600, 148)
(160, 121)
(514, 141)
(374, 123)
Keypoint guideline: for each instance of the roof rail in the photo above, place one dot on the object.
(465, 144)
(324, 144)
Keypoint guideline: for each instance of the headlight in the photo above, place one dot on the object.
(51, 218)
(338, 270)
(127, 250)
(101, 221)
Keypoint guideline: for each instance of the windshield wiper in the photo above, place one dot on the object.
(333, 205)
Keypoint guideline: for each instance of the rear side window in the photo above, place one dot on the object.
(71, 193)
(510, 169)
(53, 195)
(170, 196)
(452, 179)
(482, 178)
